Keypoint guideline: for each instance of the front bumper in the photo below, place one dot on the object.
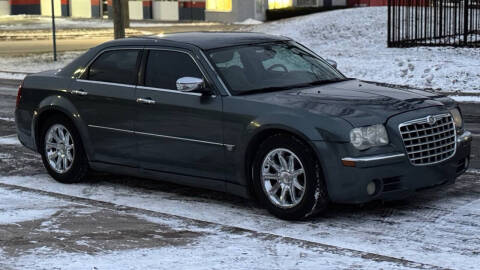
(393, 174)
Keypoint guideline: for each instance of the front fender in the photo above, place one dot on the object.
(60, 104)
(308, 127)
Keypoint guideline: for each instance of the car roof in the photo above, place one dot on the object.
(211, 40)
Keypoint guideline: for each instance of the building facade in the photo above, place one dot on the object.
(164, 10)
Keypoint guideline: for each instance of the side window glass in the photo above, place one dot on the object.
(164, 68)
(117, 66)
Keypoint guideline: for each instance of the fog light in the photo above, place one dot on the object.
(371, 188)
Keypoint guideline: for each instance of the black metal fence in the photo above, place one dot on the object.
(433, 23)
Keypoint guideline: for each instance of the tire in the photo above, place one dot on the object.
(77, 168)
(307, 203)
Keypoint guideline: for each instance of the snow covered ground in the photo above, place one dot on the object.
(31, 22)
(17, 67)
(357, 40)
(46, 232)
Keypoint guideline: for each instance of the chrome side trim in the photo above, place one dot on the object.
(168, 91)
(178, 138)
(229, 147)
(106, 83)
(373, 158)
(112, 129)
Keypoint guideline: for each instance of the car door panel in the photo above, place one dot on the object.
(181, 132)
(108, 109)
(109, 112)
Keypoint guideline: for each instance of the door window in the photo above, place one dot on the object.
(118, 66)
(164, 68)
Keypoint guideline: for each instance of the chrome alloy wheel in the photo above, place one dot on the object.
(283, 178)
(59, 148)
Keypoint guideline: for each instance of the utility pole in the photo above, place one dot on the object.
(53, 33)
(120, 18)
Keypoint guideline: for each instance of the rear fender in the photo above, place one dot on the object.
(60, 104)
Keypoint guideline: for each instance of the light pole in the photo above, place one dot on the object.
(53, 33)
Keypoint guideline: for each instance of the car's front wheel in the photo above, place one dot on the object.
(62, 150)
(287, 178)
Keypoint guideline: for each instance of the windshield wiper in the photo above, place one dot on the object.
(288, 87)
(274, 88)
(321, 82)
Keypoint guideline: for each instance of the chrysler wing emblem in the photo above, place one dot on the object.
(431, 120)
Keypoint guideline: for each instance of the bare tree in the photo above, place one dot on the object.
(120, 18)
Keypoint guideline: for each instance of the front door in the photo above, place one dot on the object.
(177, 132)
(105, 98)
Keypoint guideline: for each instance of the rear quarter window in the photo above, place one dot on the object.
(118, 66)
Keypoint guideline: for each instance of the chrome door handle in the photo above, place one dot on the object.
(79, 92)
(145, 101)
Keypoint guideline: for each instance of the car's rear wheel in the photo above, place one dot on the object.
(287, 178)
(62, 150)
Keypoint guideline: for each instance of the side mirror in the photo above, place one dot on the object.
(333, 63)
(189, 84)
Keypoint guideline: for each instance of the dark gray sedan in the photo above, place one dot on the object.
(250, 114)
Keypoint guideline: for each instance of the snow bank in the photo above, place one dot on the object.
(9, 140)
(32, 63)
(357, 40)
(249, 21)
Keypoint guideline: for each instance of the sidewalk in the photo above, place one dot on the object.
(21, 42)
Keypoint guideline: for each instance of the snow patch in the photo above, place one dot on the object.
(221, 251)
(379, 231)
(469, 99)
(33, 63)
(249, 21)
(8, 119)
(9, 140)
(357, 39)
(17, 206)
(12, 76)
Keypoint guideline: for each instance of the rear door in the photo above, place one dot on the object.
(105, 98)
(178, 132)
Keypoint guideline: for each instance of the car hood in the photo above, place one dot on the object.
(357, 102)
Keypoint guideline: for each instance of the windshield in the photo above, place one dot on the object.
(270, 67)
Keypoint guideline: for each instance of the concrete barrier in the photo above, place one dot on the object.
(46, 7)
(80, 9)
(165, 10)
(4, 7)
(135, 10)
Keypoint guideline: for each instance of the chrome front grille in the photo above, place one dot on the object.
(429, 140)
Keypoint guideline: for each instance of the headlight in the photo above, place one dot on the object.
(457, 118)
(366, 137)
